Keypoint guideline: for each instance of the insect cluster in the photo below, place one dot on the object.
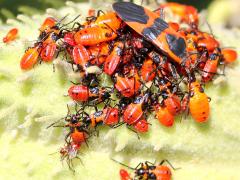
(155, 66)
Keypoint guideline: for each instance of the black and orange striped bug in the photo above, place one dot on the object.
(153, 28)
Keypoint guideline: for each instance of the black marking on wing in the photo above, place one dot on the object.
(176, 45)
(153, 32)
(130, 12)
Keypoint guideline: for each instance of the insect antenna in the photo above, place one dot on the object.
(123, 164)
(168, 162)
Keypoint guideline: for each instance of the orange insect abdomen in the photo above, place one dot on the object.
(48, 51)
(132, 113)
(78, 92)
(80, 55)
(124, 175)
(209, 69)
(164, 116)
(111, 116)
(29, 58)
(11, 35)
(109, 19)
(162, 173)
(141, 126)
(48, 23)
(113, 60)
(94, 35)
(173, 104)
(78, 137)
(148, 70)
(127, 86)
(199, 105)
(208, 42)
(229, 55)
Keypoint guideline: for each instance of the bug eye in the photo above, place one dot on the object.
(140, 172)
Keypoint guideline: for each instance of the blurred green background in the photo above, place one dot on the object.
(10, 8)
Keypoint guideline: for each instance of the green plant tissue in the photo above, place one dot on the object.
(30, 101)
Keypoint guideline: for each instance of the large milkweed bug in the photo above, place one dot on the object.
(113, 60)
(133, 114)
(171, 100)
(48, 51)
(148, 170)
(30, 58)
(153, 28)
(11, 35)
(211, 65)
(50, 32)
(94, 35)
(108, 116)
(80, 55)
(77, 135)
(198, 102)
(84, 93)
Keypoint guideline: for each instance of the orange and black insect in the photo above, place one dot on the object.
(94, 35)
(133, 114)
(84, 93)
(50, 32)
(153, 28)
(211, 65)
(198, 102)
(30, 57)
(127, 86)
(80, 56)
(148, 171)
(170, 100)
(108, 116)
(114, 59)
